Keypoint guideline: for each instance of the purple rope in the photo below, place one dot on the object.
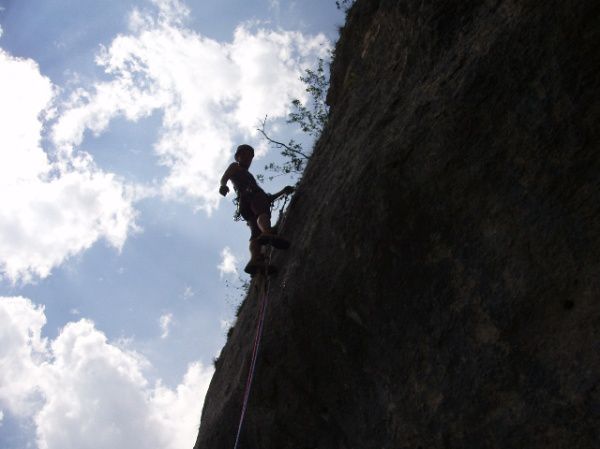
(257, 338)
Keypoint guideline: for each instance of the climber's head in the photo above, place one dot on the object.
(244, 155)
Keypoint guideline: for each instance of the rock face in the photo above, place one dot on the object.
(442, 290)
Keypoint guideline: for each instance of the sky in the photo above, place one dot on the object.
(120, 265)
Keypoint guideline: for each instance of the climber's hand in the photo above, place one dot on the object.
(288, 190)
(224, 190)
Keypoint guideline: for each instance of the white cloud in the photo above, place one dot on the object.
(228, 262)
(50, 210)
(26, 96)
(1, 417)
(171, 11)
(188, 293)
(21, 351)
(165, 322)
(212, 94)
(80, 384)
(177, 412)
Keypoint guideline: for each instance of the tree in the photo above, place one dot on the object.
(311, 117)
(345, 4)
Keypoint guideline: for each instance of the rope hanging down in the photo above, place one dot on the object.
(257, 339)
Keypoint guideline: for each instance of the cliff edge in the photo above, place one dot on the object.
(442, 286)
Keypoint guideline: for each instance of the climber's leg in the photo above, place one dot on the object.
(257, 259)
(264, 223)
(255, 253)
(261, 207)
(268, 236)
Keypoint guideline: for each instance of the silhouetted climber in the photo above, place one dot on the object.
(254, 207)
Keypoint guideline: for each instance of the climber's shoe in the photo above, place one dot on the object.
(274, 240)
(259, 267)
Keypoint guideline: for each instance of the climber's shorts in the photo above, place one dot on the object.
(251, 206)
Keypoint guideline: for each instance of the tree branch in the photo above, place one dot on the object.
(279, 144)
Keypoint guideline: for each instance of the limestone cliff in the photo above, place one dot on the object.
(443, 286)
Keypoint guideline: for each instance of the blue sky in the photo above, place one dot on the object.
(116, 252)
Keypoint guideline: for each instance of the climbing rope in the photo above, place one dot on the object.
(257, 337)
(251, 371)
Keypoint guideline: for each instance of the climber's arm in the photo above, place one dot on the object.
(285, 191)
(224, 190)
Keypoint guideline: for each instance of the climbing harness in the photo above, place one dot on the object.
(258, 336)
